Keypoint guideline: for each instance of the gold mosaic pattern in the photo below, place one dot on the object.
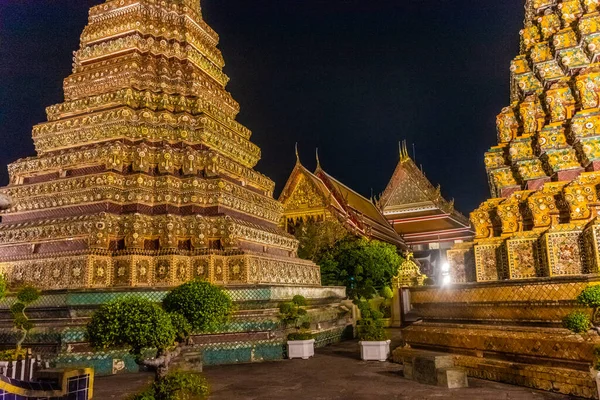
(548, 142)
(97, 271)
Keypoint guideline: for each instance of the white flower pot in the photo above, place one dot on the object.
(301, 349)
(375, 351)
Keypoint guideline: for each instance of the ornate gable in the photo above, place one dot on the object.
(302, 193)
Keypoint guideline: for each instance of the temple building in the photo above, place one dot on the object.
(143, 176)
(318, 196)
(428, 223)
(536, 245)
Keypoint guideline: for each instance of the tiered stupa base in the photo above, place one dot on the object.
(510, 332)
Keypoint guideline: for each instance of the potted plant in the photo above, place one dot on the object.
(374, 344)
(386, 305)
(301, 343)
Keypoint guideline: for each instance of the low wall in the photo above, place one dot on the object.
(253, 334)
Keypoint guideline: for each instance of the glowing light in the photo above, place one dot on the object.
(445, 267)
(446, 280)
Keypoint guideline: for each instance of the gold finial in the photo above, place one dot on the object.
(403, 151)
(297, 154)
(318, 161)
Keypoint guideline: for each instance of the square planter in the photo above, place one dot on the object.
(375, 351)
(303, 349)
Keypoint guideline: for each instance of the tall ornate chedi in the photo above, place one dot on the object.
(142, 176)
(537, 239)
(544, 173)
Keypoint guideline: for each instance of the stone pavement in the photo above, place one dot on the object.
(335, 373)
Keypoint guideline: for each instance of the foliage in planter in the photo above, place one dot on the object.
(370, 325)
(206, 306)
(25, 296)
(292, 312)
(176, 386)
(300, 336)
(362, 265)
(578, 322)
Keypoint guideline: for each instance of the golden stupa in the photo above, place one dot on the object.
(142, 176)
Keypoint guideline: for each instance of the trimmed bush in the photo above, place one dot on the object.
(182, 326)
(578, 322)
(206, 306)
(133, 323)
(3, 286)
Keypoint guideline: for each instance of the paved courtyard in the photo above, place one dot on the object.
(335, 373)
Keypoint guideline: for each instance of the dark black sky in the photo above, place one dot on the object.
(352, 77)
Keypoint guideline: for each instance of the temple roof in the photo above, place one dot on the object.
(417, 209)
(356, 211)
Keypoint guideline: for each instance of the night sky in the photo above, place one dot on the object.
(351, 77)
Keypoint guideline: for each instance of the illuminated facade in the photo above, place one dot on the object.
(142, 176)
(545, 171)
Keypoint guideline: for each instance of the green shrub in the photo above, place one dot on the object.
(182, 327)
(3, 286)
(147, 394)
(176, 386)
(28, 294)
(300, 336)
(371, 330)
(133, 323)
(206, 306)
(578, 322)
(386, 292)
(590, 297)
(299, 300)
(292, 313)
(429, 282)
(181, 386)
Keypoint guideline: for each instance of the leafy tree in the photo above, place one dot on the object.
(3, 286)
(25, 296)
(136, 324)
(205, 306)
(316, 236)
(362, 265)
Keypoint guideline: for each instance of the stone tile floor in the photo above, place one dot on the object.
(335, 373)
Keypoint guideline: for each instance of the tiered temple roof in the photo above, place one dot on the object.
(417, 210)
(320, 196)
(143, 176)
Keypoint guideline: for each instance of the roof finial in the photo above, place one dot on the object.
(403, 151)
(318, 161)
(297, 154)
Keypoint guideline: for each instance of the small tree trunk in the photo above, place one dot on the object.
(162, 361)
(20, 342)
